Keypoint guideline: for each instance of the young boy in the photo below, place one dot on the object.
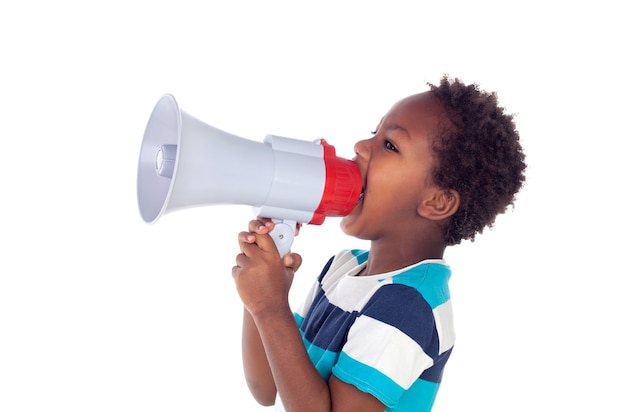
(376, 330)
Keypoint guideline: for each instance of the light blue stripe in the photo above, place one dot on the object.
(420, 397)
(361, 255)
(321, 358)
(368, 379)
(299, 319)
(431, 280)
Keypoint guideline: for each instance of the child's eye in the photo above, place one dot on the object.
(390, 146)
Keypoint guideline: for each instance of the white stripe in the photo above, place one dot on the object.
(353, 293)
(445, 326)
(403, 360)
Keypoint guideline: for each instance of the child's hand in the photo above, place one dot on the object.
(262, 278)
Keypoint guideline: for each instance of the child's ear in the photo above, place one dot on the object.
(441, 204)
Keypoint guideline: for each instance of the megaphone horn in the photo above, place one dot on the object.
(184, 163)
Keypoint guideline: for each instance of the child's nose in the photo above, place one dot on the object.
(361, 147)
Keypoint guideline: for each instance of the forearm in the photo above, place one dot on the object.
(255, 365)
(263, 280)
(300, 386)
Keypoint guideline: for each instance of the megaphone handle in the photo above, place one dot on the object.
(283, 234)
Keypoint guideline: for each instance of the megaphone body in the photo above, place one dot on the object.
(185, 163)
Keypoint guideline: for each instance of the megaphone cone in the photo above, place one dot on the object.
(184, 163)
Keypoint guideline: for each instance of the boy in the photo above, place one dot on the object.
(376, 331)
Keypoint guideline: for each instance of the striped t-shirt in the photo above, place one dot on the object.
(389, 335)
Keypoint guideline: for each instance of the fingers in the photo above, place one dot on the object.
(257, 239)
(292, 261)
(246, 237)
(248, 244)
(241, 260)
(261, 225)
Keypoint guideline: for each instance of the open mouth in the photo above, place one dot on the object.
(362, 195)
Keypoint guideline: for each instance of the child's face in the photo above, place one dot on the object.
(396, 164)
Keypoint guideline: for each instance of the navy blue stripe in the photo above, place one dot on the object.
(325, 270)
(435, 372)
(326, 325)
(406, 309)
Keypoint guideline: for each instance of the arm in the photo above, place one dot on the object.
(263, 281)
(255, 366)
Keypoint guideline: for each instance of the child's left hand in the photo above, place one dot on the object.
(262, 278)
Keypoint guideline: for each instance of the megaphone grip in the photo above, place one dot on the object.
(283, 235)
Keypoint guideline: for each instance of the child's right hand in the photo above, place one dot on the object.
(262, 278)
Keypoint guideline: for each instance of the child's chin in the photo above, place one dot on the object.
(348, 222)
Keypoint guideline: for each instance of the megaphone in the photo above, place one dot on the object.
(185, 163)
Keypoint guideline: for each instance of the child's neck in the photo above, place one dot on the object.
(384, 257)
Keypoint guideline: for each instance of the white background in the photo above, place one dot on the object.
(102, 312)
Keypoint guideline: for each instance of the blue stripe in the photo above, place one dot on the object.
(299, 318)
(368, 380)
(430, 279)
(420, 397)
(325, 270)
(404, 307)
(327, 325)
(435, 372)
(324, 360)
(360, 255)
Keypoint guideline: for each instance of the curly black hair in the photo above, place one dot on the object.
(480, 157)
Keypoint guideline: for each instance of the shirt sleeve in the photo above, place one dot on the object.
(390, 344)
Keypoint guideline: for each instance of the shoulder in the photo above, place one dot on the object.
(415, 301)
